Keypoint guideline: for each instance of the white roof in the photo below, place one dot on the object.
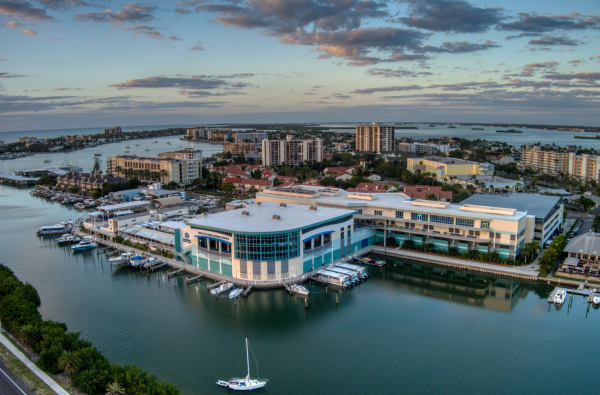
(119, 206)
(124, 212)
(337, 269)
(16, 178)
(333, 274)
(173, 224)
(260, 219)
(149, 234)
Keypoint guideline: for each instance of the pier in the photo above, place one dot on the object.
(193, 279)
(175, 273)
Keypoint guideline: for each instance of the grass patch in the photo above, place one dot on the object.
(23, 372)
(575, 279)
(543, 275)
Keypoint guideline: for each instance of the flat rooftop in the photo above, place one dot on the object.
(260, 218)
(538, 205)
(120, 206)
(394, 201)
(497, 182)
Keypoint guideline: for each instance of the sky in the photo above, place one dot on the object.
(100, 63)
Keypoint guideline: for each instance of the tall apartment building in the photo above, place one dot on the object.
(375, 138)
(186, 153)
(240, 148)
(291, 152)
(254, 137)
(424, 148)
(204, 133)
(115, 130)
(444, 167)
(152, 168)
(585, 167)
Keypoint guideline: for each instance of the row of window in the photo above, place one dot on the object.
(270, 247)
(334, 222)
(212, 230)
(257, 265)
(438, 219)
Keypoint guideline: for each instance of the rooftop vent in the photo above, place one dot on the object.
(245, 213)
(258, 203)
(282, 205)
(276, 218)
(313, 208)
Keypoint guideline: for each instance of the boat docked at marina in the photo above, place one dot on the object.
(67, 239)
(84, 245)
(596, 299)
(221, 288)
(55, 230)
(122, 259)
(247, 383)
(235, 293)
(136, 260)
(559, 296)
(299, 289)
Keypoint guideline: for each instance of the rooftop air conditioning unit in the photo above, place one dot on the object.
(245, 213)
(276, 218)
(282, 205)
(313, 208)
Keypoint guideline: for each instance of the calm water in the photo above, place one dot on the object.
(409, 329)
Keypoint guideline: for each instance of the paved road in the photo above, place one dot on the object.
(11, 384)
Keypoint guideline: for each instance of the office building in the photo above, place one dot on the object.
(424, 148)
(266, 241)
(291, 152)
(375, 138)
(254, 137)
(443, 225)
(444, 168)
(152, 168)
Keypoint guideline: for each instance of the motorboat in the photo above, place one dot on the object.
(121, 259)
(560, 296)
(235, 293)
(55, 230)
(136, 260)
(84, 245)
(299, 289)
(596, 299)
(221, 288)
(222, 383)
(247, 383)
(67, 239)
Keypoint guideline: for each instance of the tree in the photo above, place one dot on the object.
(70, 362)
(96, 167)
(431, 196)
(29, 334)
(227, 187)
(114, 389)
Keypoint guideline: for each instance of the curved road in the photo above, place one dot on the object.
(11, 384)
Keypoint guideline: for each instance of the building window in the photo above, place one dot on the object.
(442, 220)
(407, 224)
(256, 267)
(513, 237)
(419, 217)
(244, 267)
(270, 267)
(485, 224)
(471, 233)
(497, 235)
(267, 247)
(284, 266)
(378, 212)
(399, 214)
(465, 222)
(359, 211)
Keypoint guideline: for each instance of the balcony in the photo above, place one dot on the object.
(322, 247)
(217, 253)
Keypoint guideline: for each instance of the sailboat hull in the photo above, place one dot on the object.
(252, 385)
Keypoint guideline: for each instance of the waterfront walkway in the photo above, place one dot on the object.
(32, 366)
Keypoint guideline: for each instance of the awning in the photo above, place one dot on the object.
(318, 234)
(213, 238)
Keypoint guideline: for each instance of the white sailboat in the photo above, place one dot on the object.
(247, 383)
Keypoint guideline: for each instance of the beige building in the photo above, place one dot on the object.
(115, 130)
(240, 148)
(152, 168)
(204, 133)
(291, 152)
(375, 138)
(585, 167)
(444, 167)
(186, 153)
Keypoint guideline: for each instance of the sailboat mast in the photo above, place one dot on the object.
(247, 359)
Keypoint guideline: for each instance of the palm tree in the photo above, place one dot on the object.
(163, 174)
(114, 389)
(69, 362)
(29, 334)
(147, 175)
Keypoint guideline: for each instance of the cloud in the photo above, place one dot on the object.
(527, 72)
(182, 11)
(23, 10)
(550, 64)
(64, 4)
(341, 97)
(529, 84)
(554, 40)
(398, 73)
(535, 23)
(368, 91)
(466, 85)
(196, 82)
(576, 61)
(9, 75)
(459, 47)
(285, 17)
(2, 59)
(407, 57)
(14, 24)
(455, 16)
(149, 31)
(67, 89)
(131, 13)
(521, 35)
(197, 47)
(586, 76)
(29, 32)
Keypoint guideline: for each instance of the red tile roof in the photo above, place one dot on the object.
(287, 179)
(422, 191)
(367, 187)
(249, 181)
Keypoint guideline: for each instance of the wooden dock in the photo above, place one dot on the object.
(175, 273)
(193, 279)
(247, 290)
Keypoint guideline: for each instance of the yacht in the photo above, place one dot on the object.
(84, 244)
(299, 289)
(121, 259)
(221, 288)
(235, 293)
(246, 383)
(596, 299)
(55, 230)
(67, 239)
(136, 260)
(560, 296)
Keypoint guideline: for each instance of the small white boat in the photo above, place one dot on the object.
(299, 289)
(67, 239)
(560, 296)
(84, 245)
(596, 299)
(235, 293)
(247, 383)
(222, 383)
(221, 288)
(121, 259)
